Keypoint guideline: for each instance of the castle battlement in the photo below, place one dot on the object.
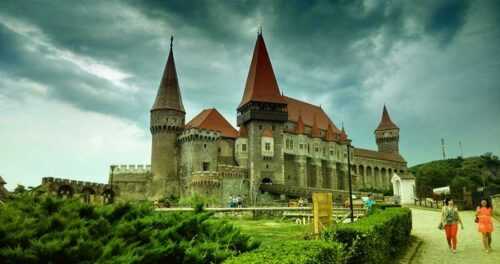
(62, 181)
(205, 178)
(131, 169)
(225, 171)
(191, 134)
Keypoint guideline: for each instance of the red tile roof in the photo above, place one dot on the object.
(169, 94)
(267, 133)
(386, 122)
(372, 154)
(261, 85)
(299, 128)
(330, 134)
(243, 132)
(315, 131)
(211, 119)
(307, 112)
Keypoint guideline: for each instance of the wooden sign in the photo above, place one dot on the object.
(322, 210)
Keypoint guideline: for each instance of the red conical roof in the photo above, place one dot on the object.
(330, 134)
(299, 129)
(261, 85)
(315, 131)
(211, 119)
(169, 94)
(386, 122)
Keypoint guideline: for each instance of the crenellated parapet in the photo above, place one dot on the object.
(130, 169)
(89, 191)
(198, 134)
(229, 171)
(205, 178)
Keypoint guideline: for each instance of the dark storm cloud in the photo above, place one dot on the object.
(333, 53)
(447, 19)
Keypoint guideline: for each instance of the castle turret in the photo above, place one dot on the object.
(263, 109)
(387, 134)
(167, 122)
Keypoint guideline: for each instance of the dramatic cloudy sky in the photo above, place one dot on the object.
(77, 78)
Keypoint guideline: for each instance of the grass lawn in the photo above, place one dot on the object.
(269, 230)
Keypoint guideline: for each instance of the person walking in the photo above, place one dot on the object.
(484, 223)
(450, 218)
(369, 204)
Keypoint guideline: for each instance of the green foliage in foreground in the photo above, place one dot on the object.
(48, 230)
(378, 238)
(293, 252)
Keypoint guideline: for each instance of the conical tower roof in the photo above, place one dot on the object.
(169, 94)
(315, 131)
(299, 129)
(386, 122)
(330, 133)
(261, 85)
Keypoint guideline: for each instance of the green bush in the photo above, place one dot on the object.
(384, 206)
(48, 230)
(374, 239)
(293, 252)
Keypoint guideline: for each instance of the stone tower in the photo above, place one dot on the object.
(263, 113)
(167, 122)
(387, 134)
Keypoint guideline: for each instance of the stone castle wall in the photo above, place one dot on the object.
(133, 181)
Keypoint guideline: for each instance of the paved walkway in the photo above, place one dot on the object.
(435, 248)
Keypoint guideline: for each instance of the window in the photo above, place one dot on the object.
(260, 127)
(206, 166)
(291, 144)
(204, 146)
(218, 150)
(301, 146)
(244, 147)
(267, 147)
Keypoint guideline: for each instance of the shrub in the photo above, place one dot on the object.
(374, 239)
(49, 230)
(293, 252)
(384, 206)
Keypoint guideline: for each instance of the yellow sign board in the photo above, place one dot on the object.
(322, 210)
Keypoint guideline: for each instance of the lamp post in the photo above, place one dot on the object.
(350, 180)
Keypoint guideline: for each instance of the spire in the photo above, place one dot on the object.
(315, 131)
(261, 84)
(343, 134)
(169, 94)
(386, 122)
(299, 129)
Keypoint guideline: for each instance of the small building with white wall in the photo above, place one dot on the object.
(404, 188)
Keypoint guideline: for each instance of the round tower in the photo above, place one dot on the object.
(167, 122)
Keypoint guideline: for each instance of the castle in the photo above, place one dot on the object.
(281, 141)
(284, 146)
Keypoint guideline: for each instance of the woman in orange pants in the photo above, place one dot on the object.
(450, 218)
(484, 223)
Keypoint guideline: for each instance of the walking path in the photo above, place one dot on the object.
(435, 249)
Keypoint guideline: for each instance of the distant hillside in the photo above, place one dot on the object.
(471, 173)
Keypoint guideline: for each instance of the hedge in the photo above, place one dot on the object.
(49, 230)
(294, 252)
(374, 239)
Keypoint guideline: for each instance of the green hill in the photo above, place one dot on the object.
(471, 173)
